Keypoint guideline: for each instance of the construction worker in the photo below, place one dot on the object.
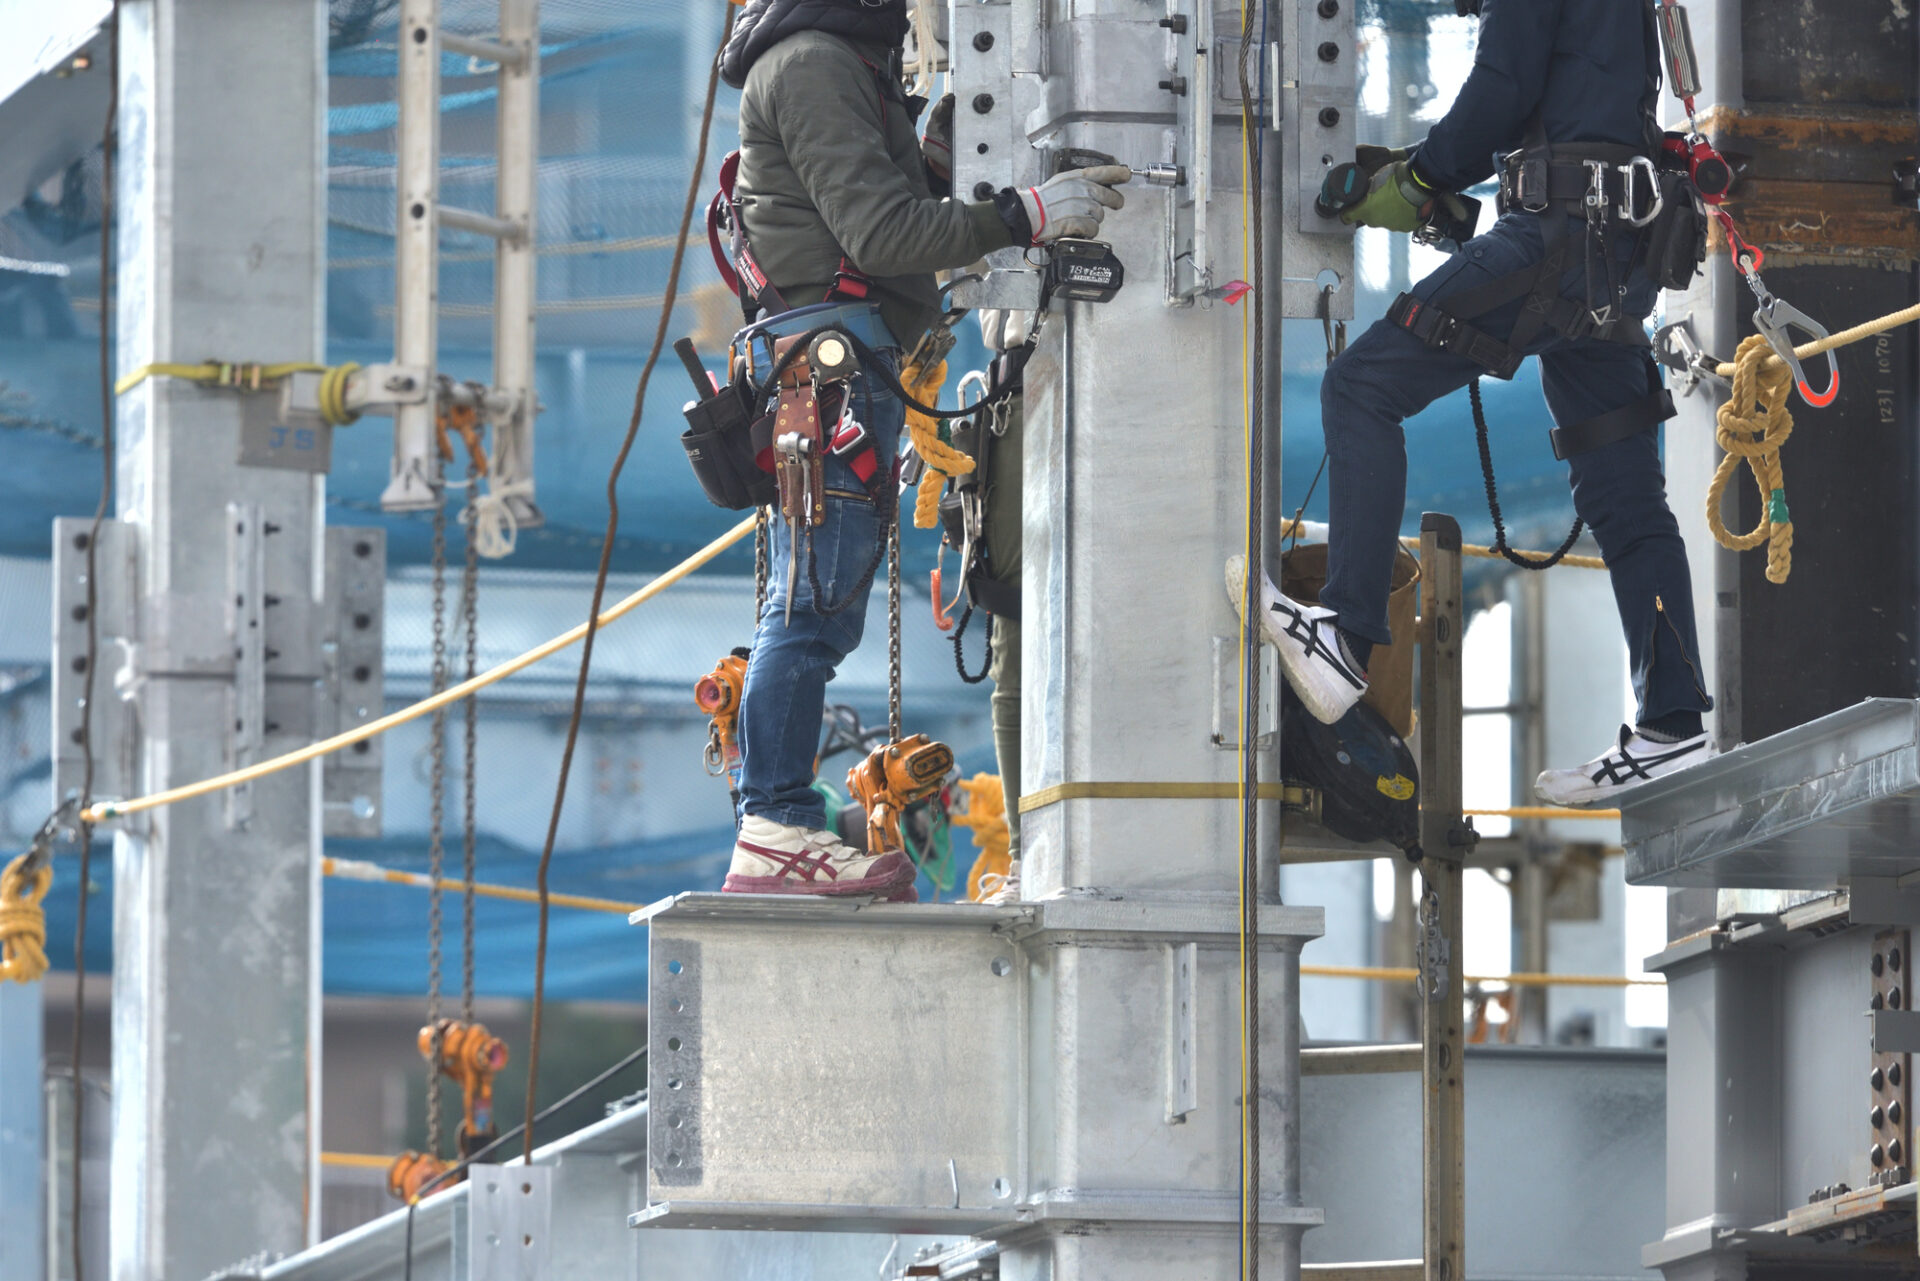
(1564, 92)
(834, 194)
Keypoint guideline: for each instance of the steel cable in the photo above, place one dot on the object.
(600, 576)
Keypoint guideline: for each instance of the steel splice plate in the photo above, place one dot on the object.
(1807, 809)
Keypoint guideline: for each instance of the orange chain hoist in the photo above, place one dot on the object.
(412, 1171)
(892, 777)
(718, 694)
(471, 1056)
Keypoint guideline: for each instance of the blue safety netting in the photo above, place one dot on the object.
(621, 95)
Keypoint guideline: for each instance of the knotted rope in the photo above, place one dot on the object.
(941, 458)
(986, 818)
(1753, 424)
(23, 925)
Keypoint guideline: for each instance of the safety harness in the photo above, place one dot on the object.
(963, 513)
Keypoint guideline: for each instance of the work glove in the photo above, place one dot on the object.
(1074, 202)
(936, 144)
(1372, 159)
(1397, 200)
(1002, 329)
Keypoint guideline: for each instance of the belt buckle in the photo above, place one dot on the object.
(1596, 198)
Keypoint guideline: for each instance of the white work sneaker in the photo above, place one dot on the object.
(776, 858)
(1636, 760)
(997, 890)
(1309, 646)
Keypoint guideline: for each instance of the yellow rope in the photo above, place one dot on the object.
(1753, 424)
(1540, 811)
(986, 818)
(355, 1161)
(105, 810)
(353, 869)
(1396, 974)
(1833, 342)
(23, 923)
(941, 458)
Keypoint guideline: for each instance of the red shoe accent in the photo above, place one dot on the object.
(886, 878)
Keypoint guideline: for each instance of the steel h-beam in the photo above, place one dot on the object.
(220, 249)
(1447, 840)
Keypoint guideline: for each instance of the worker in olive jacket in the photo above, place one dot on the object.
(835, 191)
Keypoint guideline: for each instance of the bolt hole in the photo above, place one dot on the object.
(676, 1005)
(673, 1083)
(673, 1043)
(674, 967)
(1002, 1189)
(417, 210)
(419, 35)
(1001, 966)
(79, 613)
(363, 548)
(673, 1159)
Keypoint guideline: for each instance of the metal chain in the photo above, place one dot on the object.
(893, 625)
(470, 621)
(760, 562)
(436, 821)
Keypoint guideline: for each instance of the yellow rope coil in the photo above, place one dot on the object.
(1753, 424)
(986, 818)
(942, 459)
(23, 923)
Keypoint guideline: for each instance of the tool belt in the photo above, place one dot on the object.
(1613, 190)
(733, 438)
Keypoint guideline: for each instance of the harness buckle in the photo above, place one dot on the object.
(1627, 192)
(1595, 200)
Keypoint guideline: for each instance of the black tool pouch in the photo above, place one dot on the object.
(719, 445)
(1677, 240)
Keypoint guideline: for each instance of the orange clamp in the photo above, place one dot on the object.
(469, 1055)
(892, 777)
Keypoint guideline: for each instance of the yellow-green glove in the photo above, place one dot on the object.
(1398, 200)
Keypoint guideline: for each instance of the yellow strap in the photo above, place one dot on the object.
(1143, 792)
(223, 373)
(101, 812)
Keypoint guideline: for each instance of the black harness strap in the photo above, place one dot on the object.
(1616, 425)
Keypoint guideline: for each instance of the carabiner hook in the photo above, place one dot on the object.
(1776, 318)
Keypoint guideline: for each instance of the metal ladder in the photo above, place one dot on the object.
(510, 405)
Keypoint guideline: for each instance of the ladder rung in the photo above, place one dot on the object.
(1357, 1060)
(512, 57)
(481, 224)
(1389, 1270)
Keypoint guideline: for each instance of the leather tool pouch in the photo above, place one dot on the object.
(803, 484)
(1677, 240)
(719, 445)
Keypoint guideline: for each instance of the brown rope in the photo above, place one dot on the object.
(1753, 424)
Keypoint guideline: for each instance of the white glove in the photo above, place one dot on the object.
(1003, 330)
(1073, 203)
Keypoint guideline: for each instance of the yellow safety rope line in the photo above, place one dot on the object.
(1396, 974)
(105, 810)
(356, 1161)
(353, 869)
(1541, 811)
(1753, 424)
(23, 922)
(1833, 342)
(941, 458)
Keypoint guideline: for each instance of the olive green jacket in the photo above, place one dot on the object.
(830, 166)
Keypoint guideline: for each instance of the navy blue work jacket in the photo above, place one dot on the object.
(1591, 68)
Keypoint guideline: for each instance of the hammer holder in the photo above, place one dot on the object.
(796, 432)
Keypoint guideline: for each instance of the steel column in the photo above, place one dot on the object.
(23, 1220)
(221, 250)
(1447, 840)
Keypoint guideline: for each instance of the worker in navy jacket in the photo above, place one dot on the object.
(1561, 96)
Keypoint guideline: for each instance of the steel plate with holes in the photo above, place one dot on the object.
(509, 1222)
(826, 1055)
(1806, 809)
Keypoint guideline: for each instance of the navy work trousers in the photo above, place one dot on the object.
(1618, 489)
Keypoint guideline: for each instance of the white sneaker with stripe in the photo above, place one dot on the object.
(1635, 760)
(1309, 646)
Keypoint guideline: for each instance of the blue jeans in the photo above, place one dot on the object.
(1619, 489)
(792, 662)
